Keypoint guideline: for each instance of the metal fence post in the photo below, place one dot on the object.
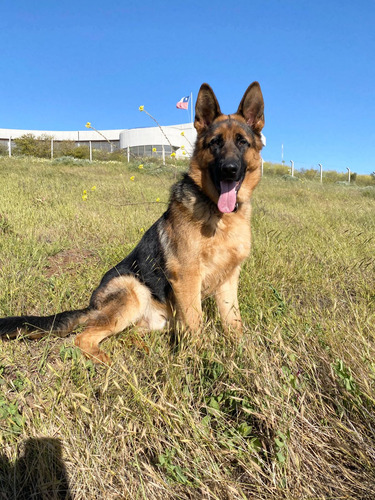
(10, 147)
(90, 145)
(128, 154)
(292, 167)
(51, 149)
(348, 169)
(321, 172)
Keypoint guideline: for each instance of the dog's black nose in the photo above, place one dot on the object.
(229, 170)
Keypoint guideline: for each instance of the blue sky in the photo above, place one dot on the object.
(65, 63)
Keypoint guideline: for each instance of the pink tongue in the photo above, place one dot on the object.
(228, 196)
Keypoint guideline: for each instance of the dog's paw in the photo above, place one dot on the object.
(93, 353)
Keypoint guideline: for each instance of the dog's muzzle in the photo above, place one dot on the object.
(230, 183)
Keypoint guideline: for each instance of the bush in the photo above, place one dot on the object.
(332, 176)
(353, 177)
(69, 160)
(118, 155)
(30, 145)
(103, 155)
(81, 152)
(309, 173)
(275, 169)
(342, 183)
(288, 177)
(64, 148)
(365, 180)
(368, 191)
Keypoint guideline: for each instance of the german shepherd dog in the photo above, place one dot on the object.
(193, 250)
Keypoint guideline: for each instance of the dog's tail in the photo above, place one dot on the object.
(38, 326)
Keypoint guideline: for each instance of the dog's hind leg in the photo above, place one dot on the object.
(118, 304)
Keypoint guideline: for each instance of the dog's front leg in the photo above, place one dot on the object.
(187, 293)
(227, 302)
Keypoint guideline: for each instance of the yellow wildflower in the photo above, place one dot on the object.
(158, 199)
(182, 147)
(182, 133)
(184, 152)
(93, 188)
(132, 178)
(173, 154)
(141, 108)
(88, 125)
(84, 197)
(142, 230)
(140, 166)
(84, 191)
(154, 150)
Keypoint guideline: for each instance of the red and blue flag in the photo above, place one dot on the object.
(183, 103)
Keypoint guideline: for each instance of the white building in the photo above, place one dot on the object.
(139, 141)
(142, 140)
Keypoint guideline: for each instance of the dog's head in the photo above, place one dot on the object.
(226, 161)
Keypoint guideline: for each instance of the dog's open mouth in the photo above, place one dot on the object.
(228, 196)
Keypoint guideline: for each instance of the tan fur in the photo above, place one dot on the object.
(130, 304)
(208, 252)
(203, 247)
(209, 249)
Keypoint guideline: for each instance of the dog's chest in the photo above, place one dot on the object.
(224, 251)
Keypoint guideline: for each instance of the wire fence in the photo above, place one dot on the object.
(48, 147)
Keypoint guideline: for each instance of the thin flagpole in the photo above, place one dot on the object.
(191, 104)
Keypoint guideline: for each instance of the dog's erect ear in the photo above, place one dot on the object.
(252, 107)
(206, 109)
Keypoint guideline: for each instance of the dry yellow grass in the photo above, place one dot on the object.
(288, 413)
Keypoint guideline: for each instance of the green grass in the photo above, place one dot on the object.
(288, 413)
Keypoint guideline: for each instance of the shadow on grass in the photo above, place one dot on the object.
(39, 473)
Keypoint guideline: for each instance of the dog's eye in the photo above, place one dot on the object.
(216, 141)
(241, 141)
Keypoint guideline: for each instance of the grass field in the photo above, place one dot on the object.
(288, 413)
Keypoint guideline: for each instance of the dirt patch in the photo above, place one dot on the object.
(68, 261)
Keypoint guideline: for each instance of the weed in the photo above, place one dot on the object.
(173, 471)
(281, 442)
(11, 418)
(345, 376)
